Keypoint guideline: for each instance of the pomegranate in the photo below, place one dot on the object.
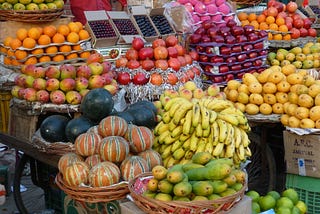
(158, 42)
(162, 64)
(171, 40)
(137, 43)
(160, 52)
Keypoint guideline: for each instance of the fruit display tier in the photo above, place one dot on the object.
(291, 43)
(141, 86)
(138, 186)
(31, 16)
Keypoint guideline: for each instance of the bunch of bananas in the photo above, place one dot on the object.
(207, 124)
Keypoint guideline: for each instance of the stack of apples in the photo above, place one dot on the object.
(65, 83)
(228, 51)
(284, 22)
(164, 62)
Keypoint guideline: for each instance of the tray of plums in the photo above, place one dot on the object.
(102, 31)
(160, 21)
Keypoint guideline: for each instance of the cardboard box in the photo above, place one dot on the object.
(97, 16)
(142, 11)
(160, 11)
(123, 39)
(301, 154)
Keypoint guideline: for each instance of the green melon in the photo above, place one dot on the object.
(52, 129)
(77, 126)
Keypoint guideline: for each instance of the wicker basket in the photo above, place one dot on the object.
(247, 2)
(56, 148)
(154, 206)
(31, 16)
(94, 194)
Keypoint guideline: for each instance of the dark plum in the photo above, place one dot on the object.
(102, 29)
(162, 24)
(125, 26)
(145, 25)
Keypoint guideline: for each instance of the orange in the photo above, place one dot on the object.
(280, 21)
(73, 27)
(45, 59)
(277, 36)
(20, 54)
(40, 29)
(7, 61)
(261, 18)
(270, 36)
(263, 26)
(255, 24)
(15, 43)
(10, 53)
(270, 20)
(31, 60)
(73, 37)
(29, 43)
(72, 56)
(84, 54)
(3, 50)
(76, 48)
(51, 50)
(50, 30)
(37, 51)
(34, 33)
(21, 34)
(245, 22)
(83, 34)
(64, 30)
(80, 25)
(65, 48)
(283, 28)
(58, 38)
(15, 62)
(58, 58)
(252, 16)
(242, 16)
(44, 40)
(286, 37)
(273, 26)
(7, 41)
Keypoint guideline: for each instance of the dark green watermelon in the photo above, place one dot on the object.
(125, 115)
(144, 104)
(77, 126)
(97, 104)
(143, 116)
(52, 128)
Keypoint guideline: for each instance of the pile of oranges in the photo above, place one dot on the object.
(276, 25)
(45, 44)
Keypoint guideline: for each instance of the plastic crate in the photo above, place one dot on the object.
(5, 97)
(308, 189)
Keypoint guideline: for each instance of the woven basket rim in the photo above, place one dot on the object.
(93, 194)
(32, 11)
(31, 16)
(224, 203)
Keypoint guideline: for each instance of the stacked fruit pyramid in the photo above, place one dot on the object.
(282, 21)
(31, 5)
(146, 71)
(65, 83)
(46, 45)
(203, 179)
(193, 120)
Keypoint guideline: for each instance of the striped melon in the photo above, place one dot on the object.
(152, 157)
(140, 138)
(87, 144)
(114, 149)
(76, 174)
(133, 166)
(112, 126)
(67, 159)
(104, 174)
(93, 160)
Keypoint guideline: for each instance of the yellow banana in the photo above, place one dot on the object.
(229, 118)
(172, 101)
(237, 136)
(247, 151)
(246, 127)
(181, 112)
(218, 149)
(166, 117)
(215, 133)
(166, 152)
(166, 160)
(223, 130)
(236, 159)
(162, 148)
(188, 155)
(187, 124)
(193, 142)
(169, 140)
(223, 153)
(163, 136)
(208, 147)
(184, 137)
(205, 117)
(178, 154)
(241, 152)
(218, 105)
(201, 145)
(176, 132)
(245, 139)
(186, 144)
(176, 145)
(171, 162)
(160, 128)
(206, 132)
(156, 145)
(195, 115)
(213, 116)
(229, 138)
(205, 101)
(230, 149)
(199, 130)
(174, 108)
(229, 110)
(192, 129)
(171, 125)
(242, 119)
